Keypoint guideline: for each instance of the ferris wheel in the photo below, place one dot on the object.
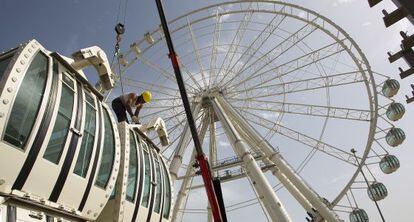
(281, 95)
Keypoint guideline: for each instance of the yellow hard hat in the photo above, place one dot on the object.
(146, 95)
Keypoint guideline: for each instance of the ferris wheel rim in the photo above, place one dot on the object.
(368, 80)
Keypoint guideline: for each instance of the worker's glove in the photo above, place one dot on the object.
(135, 119)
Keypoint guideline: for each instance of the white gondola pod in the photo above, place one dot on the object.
(43, 130)
(395, 111)
(358, 215)
(390, 88)
(395, 137)
(377, 191)
(389, 164)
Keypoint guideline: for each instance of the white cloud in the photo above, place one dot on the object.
(341, 2)
(222, 143)
(269, 116)
(302, 14)
(366, 24)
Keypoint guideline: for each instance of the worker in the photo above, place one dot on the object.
(126, 102)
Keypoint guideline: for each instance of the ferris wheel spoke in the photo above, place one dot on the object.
(296, 63)
(190, 76)
(301, 138)
(277, 51)
(258, 42)
(306, 109)
(216, 40)
(196, 51)
(179, 124)
(335, 80)
(165, 109)
(163, 72)
(150, 87)
(141, 83)
(165, 100)
(228, 58)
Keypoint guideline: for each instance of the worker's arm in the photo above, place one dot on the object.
(138, 108)
(129, 110)
(131, 99)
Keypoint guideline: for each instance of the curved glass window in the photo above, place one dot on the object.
(132, 169)
(147, 177)
(167, 195)
(88, 138)
(159, 185)
(27, 103)
(108, 153)
(60, 131)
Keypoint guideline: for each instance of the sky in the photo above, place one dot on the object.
(66, 26)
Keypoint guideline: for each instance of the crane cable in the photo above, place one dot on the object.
(120, 30)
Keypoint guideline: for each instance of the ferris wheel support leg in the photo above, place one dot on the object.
(282, 165)
(283, 179)
(183, 192)
(182, 145)
(273, 206)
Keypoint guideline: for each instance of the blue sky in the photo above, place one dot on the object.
(65, 26)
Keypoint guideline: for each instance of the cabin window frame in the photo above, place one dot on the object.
(147, 175)
(84, 171)
(66, 81)
(106, 120)
(132, 156)
(43, 100)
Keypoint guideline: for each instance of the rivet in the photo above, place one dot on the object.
(101, 205)
(95, 214)
(1, 114)
(89, 211)
(14, 79)
(106, 196)
(33, 46)
(5, 101)
(26, 56)
(2, 181)
(22, 62)
(18, 70)
(30, 50)
(10, 89)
